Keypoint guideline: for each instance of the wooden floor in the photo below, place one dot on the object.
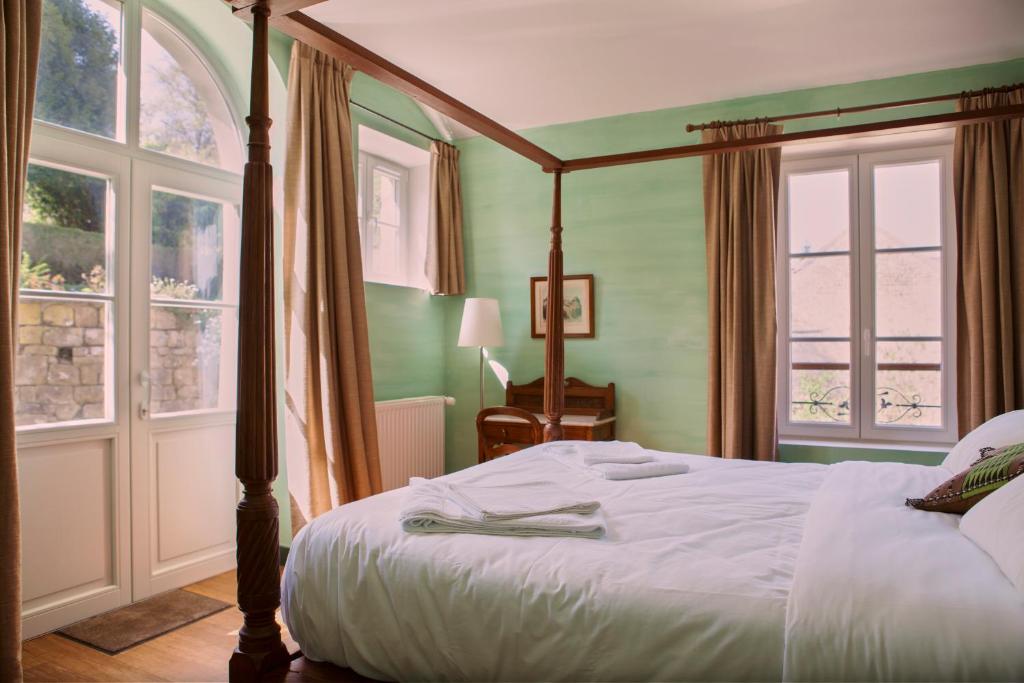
(196, 652)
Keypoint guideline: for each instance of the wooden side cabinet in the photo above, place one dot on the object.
(590, 416)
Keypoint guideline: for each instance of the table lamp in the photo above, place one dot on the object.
(481, 326)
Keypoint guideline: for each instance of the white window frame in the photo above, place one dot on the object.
(863, 392)
(368, 163)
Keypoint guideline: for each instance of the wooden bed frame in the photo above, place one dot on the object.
(260, 649)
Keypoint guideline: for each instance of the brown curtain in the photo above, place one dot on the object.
(445, 271)
(741, 192)
(331, 430)
(989, 191)
(20, 53)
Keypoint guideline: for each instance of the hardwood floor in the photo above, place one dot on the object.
(196, 652)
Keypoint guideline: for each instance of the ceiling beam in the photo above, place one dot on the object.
(908, 125)
(317, 35)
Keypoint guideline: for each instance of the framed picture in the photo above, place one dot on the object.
(577, 306)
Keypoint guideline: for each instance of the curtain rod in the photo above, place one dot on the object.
(397, 123)
(838, 111)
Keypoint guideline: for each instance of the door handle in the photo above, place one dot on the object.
(144, 403)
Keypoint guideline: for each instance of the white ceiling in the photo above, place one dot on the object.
(528, 63)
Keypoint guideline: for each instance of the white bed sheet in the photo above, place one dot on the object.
(690, 583)
(737, 570)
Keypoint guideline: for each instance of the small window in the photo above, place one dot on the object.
(78, 83)
(866, 279)
(392, 208)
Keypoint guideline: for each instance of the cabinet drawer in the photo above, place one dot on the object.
(509, 432)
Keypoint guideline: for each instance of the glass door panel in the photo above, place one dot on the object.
(193, 300)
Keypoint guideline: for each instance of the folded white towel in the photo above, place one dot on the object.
(522, 499)
(430, 507)
(625, 453)
(657, 468)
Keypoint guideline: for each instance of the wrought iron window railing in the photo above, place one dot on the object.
(893, 405)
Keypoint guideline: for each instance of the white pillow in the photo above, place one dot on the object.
(1003, 430)
(996, 525)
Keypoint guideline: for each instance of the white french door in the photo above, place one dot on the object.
(183, 335)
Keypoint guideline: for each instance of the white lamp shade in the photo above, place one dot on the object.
(481, 324)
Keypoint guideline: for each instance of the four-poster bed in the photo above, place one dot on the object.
(260, 648)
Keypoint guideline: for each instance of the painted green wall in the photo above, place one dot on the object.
(639, 229)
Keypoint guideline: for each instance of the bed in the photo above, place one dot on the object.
(737, 570)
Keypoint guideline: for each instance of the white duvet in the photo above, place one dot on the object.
(736, 570)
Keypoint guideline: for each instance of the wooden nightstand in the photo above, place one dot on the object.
(590, 416)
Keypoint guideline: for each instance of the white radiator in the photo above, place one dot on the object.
(410, 435)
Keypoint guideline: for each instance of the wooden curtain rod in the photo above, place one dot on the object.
(839, 111)
(920, 123)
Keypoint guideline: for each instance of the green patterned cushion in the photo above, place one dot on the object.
(993, 469)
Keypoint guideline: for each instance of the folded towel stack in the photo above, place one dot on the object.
(528, 509)
(618, 460)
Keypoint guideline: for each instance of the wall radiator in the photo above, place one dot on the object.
(410, 435)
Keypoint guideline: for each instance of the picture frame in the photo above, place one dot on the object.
(578, 306)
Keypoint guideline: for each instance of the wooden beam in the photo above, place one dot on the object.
(260, 648)
(554, 340)
(313, 33)
(915, 124)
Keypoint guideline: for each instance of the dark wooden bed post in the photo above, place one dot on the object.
(259, 647)
(554, 341)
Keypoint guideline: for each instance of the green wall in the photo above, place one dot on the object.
(639, 229)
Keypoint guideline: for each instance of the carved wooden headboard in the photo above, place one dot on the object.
(580, 398)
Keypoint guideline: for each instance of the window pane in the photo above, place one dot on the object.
(820, 382)
(79, 65)
(908, 383)
(908, 205)
(191, 358)
(183, 112)
(386, 188)
(61, 367)
(386, 251)
(64, 243)
(908, 294)
(819, 389)
(819, 212)
(187, 247)
(819, 296)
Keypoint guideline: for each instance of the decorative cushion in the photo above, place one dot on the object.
(1001, 430)
(989, 472)
(996, 525)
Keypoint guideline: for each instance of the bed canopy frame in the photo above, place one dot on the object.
(260, 649)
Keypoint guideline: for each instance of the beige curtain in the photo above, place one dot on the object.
(989, 192)
(741, 192)
(331, 431)
(445, 271)
(20, 54)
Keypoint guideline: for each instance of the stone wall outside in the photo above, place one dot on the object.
(60, 374)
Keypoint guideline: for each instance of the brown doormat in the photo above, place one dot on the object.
(131, 625)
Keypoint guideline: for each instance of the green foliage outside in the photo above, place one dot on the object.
(78, 62)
